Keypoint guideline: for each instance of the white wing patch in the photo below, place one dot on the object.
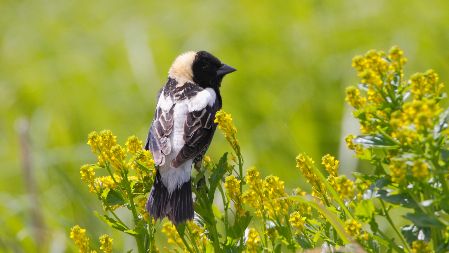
(164, 102)
(201, 100)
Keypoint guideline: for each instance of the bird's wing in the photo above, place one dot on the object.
(158, 141)
(199, 128)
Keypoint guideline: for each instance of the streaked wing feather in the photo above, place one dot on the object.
(199, 129)
(158, 137)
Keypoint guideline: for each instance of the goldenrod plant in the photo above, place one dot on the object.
(404, 137)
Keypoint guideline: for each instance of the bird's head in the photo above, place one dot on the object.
(201, 68)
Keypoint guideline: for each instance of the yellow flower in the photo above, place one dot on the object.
(398, 171)
(106, 182)
(197, 235)
(253, 242)
(370, 77)
(141, 207)
(297, 221)
(343, 186)
(133, 145)
(106, 243)
(265, 195)
(353, 227)
(421, 247)
(425, 85)
(169, 230)
(232, 186)
(331, 164)
(94, 141)
(117, 156)
(78, 235)
(364, 236)
(305, 165)
(353, 97)
(420, 170)
(396, 55)
(273, 192)
(143, 158)
(224, 121)
(359, 63)
(208, 164)
(101, 145)
(88, 176)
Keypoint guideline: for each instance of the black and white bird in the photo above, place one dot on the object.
(182, 130)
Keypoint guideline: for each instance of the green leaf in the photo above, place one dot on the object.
(131, 232)
(111, 222)
(375, 141)
(442, 124)
(445, 155)
(365, 209)
(217, 175)
(402, 199)
(112, 197)
(181, 228)
(240, 224)
(423, 220)
(411, 233)
(373, 225)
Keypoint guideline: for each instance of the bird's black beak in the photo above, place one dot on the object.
(225, 69)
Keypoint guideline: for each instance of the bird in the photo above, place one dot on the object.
(182, 130)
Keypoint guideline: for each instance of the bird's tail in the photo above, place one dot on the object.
(177, 206)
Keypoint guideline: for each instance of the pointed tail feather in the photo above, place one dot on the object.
(177, 206)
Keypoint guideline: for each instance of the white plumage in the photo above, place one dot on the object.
(174, 177)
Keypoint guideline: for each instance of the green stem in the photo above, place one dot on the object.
(390, 221)
(186, 244)
(139, 241)
(117, 218)
(389, 242)
(192, 242)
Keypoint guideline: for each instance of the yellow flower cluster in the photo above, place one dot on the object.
(197, 234)
(106, 182)
(88, 176)
(101, 144)
(169, 230)
(297, 221)
(330, 164)
(353, 227)
(354, 98)
(253, 242)
(106, 244)
(232, 186)
(224, 121)
(381, 75)
(305, 164)
(143, 158)
(398, 171)
(343, 186)
(133, 145)
(420, 170)
(426, 85)
(141, 208)
(208, 164)
(352, 146)
(421, 247)
(78, 235)
(267, 195)
(117, 155)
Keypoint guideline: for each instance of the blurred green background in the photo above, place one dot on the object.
(70, 67)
